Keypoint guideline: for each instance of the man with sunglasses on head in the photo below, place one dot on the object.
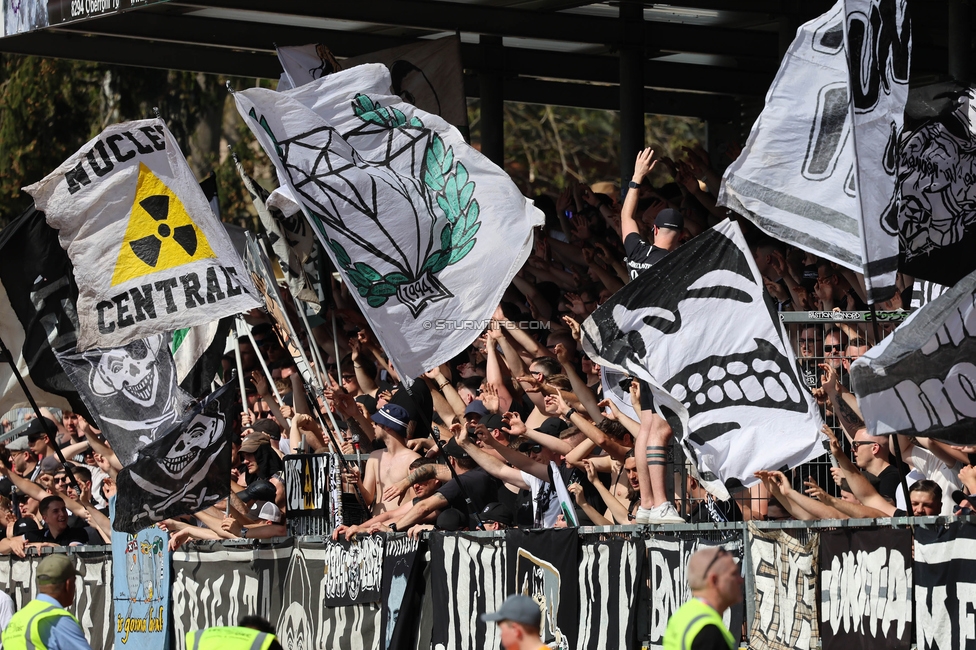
(716, 584)
(872, 457)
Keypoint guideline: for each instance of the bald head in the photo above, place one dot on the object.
(702, 563)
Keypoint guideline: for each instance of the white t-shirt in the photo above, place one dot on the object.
(936, 470)
(6, 610)
(544, 493)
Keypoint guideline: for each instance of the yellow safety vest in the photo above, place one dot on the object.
(227, 638)
(688, 621)
(24, 633)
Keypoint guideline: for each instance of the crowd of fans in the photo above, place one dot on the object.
(521, 412)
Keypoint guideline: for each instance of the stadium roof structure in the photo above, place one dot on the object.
(711, 59)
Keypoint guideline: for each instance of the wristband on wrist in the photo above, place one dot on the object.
(633, 185)
(569, 413)
(393, 528)
(443, 385)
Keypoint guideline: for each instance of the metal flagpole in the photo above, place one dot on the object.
(240, 369)
(264, 366)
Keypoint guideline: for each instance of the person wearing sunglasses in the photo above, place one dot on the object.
(716, 584)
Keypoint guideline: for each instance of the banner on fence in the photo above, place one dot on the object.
(866, 589)
(609, 574)
(306, 494)
(945, 586)
(667, 567)
(467, 578)
(402, 591)
(785, 582)
(352, 571)
(141, 588)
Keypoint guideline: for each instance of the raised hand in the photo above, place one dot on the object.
(574, 328)
(644, 164)
(489, 397)
(515, 425)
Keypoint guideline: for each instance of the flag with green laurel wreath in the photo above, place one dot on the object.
(427, 232)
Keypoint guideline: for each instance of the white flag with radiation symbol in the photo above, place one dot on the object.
(149, 256)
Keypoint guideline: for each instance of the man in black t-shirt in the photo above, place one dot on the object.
(668, 224)
(55, 516)
(871, 456)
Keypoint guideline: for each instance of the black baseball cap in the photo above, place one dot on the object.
(669, 218)
(493, 421)
(452, 448)
(552, 427)
(499, 513)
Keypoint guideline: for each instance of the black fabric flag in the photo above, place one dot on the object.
(921, 380)
(467, 579)
(609, 572)
(37, 312)
(352, 571)
(866, 589)
(403, 590)
(945, 586)
(184, 471)
(544, 565)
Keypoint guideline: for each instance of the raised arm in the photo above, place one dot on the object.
(642, 167)
(489, 463)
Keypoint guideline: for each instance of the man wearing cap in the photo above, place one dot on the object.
(41, 433)
(44, 623)
(23, 459)
(716, 584)
(519, 621)
(384, 467)
(668, 225)
(497, 516)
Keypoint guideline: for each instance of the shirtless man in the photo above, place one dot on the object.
(387, 466)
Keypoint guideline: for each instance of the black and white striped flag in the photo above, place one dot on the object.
(609, 572)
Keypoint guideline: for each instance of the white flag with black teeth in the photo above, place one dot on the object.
(697, 329)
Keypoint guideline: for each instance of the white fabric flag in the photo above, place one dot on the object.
(818, 170)
(427, 231)
(731, 393)
(428, 74)
(149, 255)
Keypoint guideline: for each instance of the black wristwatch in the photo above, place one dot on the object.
(569, 414)
(633, 185)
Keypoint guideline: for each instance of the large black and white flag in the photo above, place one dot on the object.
(818, 170)
(425, 230)
(866, 589)
(698, 330)
(37, 312)
(945, 586)
(921, 380)
(544, 565)
(609, 578)
(785, 583)
(185, 470)
(131, 391)
(467, 579)
(428, 74)
(934, 211)
(149, 255)
(353, 571)
(403, 591)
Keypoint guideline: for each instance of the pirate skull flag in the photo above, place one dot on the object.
(184, 471)
(921, 380)
(132, 391)
(934, 210)
(697, 329)
(425, 230)
(149, 255)
(839, 98)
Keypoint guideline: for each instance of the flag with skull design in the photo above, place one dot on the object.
(426, 231)
(696, 327)
(185, 470)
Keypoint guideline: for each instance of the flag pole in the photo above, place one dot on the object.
(264, 367)
(240, 369)
(7, 357)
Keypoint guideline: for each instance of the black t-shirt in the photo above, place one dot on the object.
(68, 536)
(710, 638)
(479, 485)
(889, 480)
(640, 255)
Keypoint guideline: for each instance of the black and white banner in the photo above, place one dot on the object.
(217, 588)
(403, 590)
(945, 587)
(544, 565)
(609, 575)
(723, 390)
(866, 589)
(305, 622)
(186, 470)
(93, 591)
(935, 211)
(467, 579)
(921, 380)
(667, 573)
(353, 571)
(785, 582)
(818, 170)
(307, 494)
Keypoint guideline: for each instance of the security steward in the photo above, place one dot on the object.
(230, 638)
(716, 585)
(43, 623)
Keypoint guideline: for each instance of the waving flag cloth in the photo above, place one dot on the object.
(149, 256)
(921, 380)
(426, 230)
(186, 470)
(697, 329)
(839, 97)
(428, 74)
